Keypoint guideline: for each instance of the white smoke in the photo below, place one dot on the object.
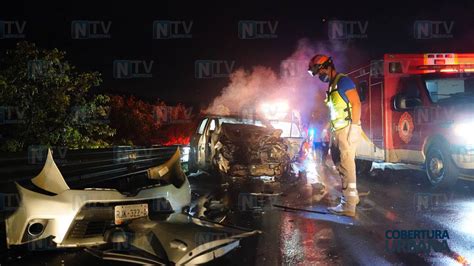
(293, 83)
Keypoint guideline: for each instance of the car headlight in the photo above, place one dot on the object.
(185, 154)
(465, 131)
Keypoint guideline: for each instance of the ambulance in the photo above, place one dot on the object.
(418, 109)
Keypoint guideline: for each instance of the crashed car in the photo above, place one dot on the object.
(250, 151)
(50, 210)
(245, 148)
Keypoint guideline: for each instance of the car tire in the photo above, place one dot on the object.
(363, 167)
(441, 171)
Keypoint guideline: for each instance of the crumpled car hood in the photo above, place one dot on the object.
(249, 150)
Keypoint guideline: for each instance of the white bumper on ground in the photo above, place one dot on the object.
(54, 210)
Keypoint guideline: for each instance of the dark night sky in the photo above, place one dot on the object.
(215, 36)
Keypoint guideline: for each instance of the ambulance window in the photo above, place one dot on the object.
(409, 87)
(362, 89)
(202, 126)
(450, 87)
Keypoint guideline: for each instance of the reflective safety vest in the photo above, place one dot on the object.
(339, 110)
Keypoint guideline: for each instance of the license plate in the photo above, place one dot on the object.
(129, 212)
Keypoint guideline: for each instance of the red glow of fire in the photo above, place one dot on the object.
(177, 140)
(175, 134)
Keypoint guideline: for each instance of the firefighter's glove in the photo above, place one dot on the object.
(354, 134)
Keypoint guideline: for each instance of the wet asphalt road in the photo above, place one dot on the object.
(398, 199)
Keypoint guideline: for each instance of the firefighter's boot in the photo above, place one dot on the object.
(343, 208)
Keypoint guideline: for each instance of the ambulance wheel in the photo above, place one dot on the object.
(441, 170)
(363, 167)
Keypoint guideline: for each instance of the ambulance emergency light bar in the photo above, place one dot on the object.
(431, 63)
(448, 68)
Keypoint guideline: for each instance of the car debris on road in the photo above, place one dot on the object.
(155, 215)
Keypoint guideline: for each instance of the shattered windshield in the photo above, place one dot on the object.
(246, 121)
(450, 87)
(290, 130)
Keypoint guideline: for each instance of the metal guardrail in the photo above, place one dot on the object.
(81, 167)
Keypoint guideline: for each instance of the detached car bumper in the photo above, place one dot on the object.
(178, 240)
(79, 217)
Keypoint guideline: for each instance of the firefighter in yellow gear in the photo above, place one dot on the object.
(344, 106)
